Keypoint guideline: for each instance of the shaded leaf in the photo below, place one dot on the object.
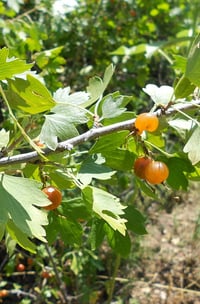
(2, 230)
(109, 142)
(76, 209)
(146, 188)
(97, 233)
(135, 220)
(121, 244)
(178, 167)
(119, 159)
(93, 167)
(70, 231)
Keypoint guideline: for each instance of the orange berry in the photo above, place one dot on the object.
(20, 267)
(139, 166)
(146, 122)
(156, 172)
(46, 274)
(133, 13)
(54, 195)
(3, 293)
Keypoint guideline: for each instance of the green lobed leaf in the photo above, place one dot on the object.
(20, 237)
(97, 85)
(61, 124)
(108, 207)
(93, 167)
(109, 142)
(70, 231)
(135, 220)
(56, 126)
(43, 58)
(119, 159)
(60, 179)
(19, 198)
(177, 168)
(29, 95)
(115, 157)
(180, 63)
(113, 107)
(124, 116)
(97, 233)
(2, 230)
(10, 67)
(160, 95)
(192, 147)
(4, 138)
(146, 188)
(121, 244)
(193, 63)
(76, 209)
(183, 88)
(62, 95)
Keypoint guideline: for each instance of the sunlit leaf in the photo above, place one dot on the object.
(192, 147)
(61, 124)
(63, 95)
(4, 138)
(108, 207)
(97, 85)
(160, 95)
(113, 107)
(29, 95)
(183, 88)
(193, 63)
(19, 198)
(9, 67)
(20, 237)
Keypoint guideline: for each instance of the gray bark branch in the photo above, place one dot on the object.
(92, 134)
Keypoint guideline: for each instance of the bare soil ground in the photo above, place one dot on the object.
(169, 271)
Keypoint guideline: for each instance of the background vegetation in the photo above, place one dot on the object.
(148, 43)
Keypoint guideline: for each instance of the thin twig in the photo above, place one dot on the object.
(19, 292)
(112, 282)
(57, 276)
(176, 288)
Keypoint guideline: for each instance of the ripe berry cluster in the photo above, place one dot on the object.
(154, 172)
